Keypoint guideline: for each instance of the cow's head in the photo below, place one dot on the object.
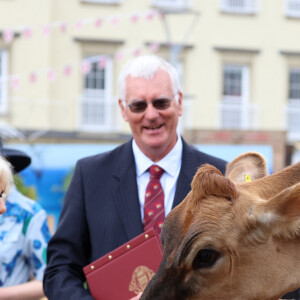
(233, 237)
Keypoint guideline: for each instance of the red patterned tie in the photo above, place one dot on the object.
(154, 210)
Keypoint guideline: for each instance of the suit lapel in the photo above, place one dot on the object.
(125, 196)
(187, 172)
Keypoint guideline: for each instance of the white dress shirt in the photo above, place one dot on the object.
(171, 164)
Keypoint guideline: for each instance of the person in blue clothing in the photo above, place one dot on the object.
(6, 181)
(24, 235)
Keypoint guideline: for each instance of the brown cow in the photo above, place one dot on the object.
(231, 238)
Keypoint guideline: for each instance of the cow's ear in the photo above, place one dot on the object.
(281, 213)
(247, 167)
(209, 181)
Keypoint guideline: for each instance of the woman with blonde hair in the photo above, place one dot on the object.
(6, 182)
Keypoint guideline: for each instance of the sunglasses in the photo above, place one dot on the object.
(140, 106)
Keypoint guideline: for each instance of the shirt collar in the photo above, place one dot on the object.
(170, 163)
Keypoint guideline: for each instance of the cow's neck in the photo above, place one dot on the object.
(290, 260)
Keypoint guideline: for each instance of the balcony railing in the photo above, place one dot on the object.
(293, 120)
(98, 113)
(240, 6)
(233, 115)
(292, 8)
(176, 5)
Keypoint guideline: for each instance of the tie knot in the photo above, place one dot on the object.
(156, 172)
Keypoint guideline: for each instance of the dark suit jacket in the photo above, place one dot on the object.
(101, 211)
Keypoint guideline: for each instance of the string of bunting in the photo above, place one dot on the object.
(51, 74)
(27, 31)
(85, 67)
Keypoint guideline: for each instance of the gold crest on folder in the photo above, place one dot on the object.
(140, 278)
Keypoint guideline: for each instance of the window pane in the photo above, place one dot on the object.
(236, 3)
(293, 5)
(240, 6)
(232, 82)
(95, 105)
(95, 79)
(294, 84)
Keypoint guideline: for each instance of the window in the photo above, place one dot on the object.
(293, 105)
(235, 83)
(240, 6)
(3, 80)
(294, 84)
(97, 103)
(292, 8)
(235, 110)
(173, 4)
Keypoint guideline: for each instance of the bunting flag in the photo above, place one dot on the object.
(27, 32)
(67, 70)
(51, 74)
(15, 82)
(98, 22)
(47, 30)
(85, 67)
(137, 52)
(32, 77)
(63, 27)
(8, 35)
(102, 63)
(134, 18)
(115, 20)
(78, 25)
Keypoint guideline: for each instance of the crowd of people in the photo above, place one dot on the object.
(108, 201)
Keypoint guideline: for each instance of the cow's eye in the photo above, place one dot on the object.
(205, 258)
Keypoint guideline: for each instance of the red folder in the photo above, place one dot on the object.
(125, 272)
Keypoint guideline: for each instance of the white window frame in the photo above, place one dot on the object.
(244, 69)
(236, 112)
(290, 11)
(3, 80)
(91, 98)
(293, 70)
(292, 111)
(173, 4)
(240, 6)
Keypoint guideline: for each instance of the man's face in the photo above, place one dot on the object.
(154, 130)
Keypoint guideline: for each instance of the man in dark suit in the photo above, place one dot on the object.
(103, 207)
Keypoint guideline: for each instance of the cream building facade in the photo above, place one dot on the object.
(239, 62)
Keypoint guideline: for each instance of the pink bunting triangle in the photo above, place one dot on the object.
(85, 67)
(32, 77)
(8, 35)
(67, 70)
(27, 32)
(15, 82)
